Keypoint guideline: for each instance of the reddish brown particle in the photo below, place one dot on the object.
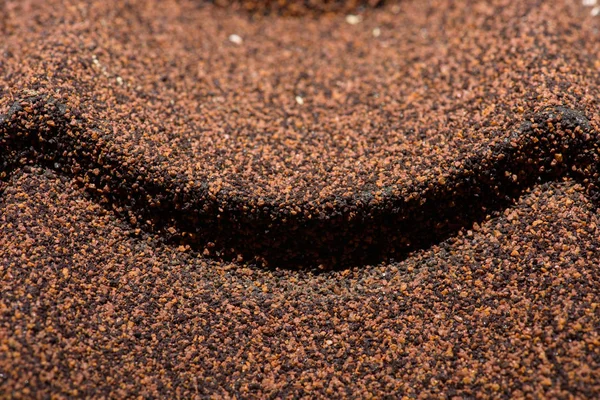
(144, 143)
(88, 309)
(197, 130)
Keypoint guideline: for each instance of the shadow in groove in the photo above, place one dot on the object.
(552, 144)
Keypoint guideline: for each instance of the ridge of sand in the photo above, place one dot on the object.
(549, 145)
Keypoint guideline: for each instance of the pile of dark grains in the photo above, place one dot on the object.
(299, 7)
(196, 202)
(508, 308)
(306, 141)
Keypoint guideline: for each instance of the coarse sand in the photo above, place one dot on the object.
(258, 199)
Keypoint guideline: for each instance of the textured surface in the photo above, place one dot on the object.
(508, 308)
(300, 7)
(440, 156)
(314, 140)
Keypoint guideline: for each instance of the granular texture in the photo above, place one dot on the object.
(242, 200)
(299, 7)
(508, 308)
(306, 140)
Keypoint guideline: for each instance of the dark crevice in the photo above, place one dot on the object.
(554, 143)
(296, 8)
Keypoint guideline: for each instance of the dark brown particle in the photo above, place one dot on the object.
(506, 308)
(299, 199)
(299, 7)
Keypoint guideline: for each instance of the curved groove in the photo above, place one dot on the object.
(553, 143)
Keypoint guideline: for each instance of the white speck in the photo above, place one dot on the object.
(329, 342)
(376, 32)
(589, 3)
(353, 19)
(119, 80)
(299, 100)
(595, 11)
(235, 39)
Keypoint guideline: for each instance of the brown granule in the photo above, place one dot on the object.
(198, 135)
(507, 308)
(204, 200)
(299, 7)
